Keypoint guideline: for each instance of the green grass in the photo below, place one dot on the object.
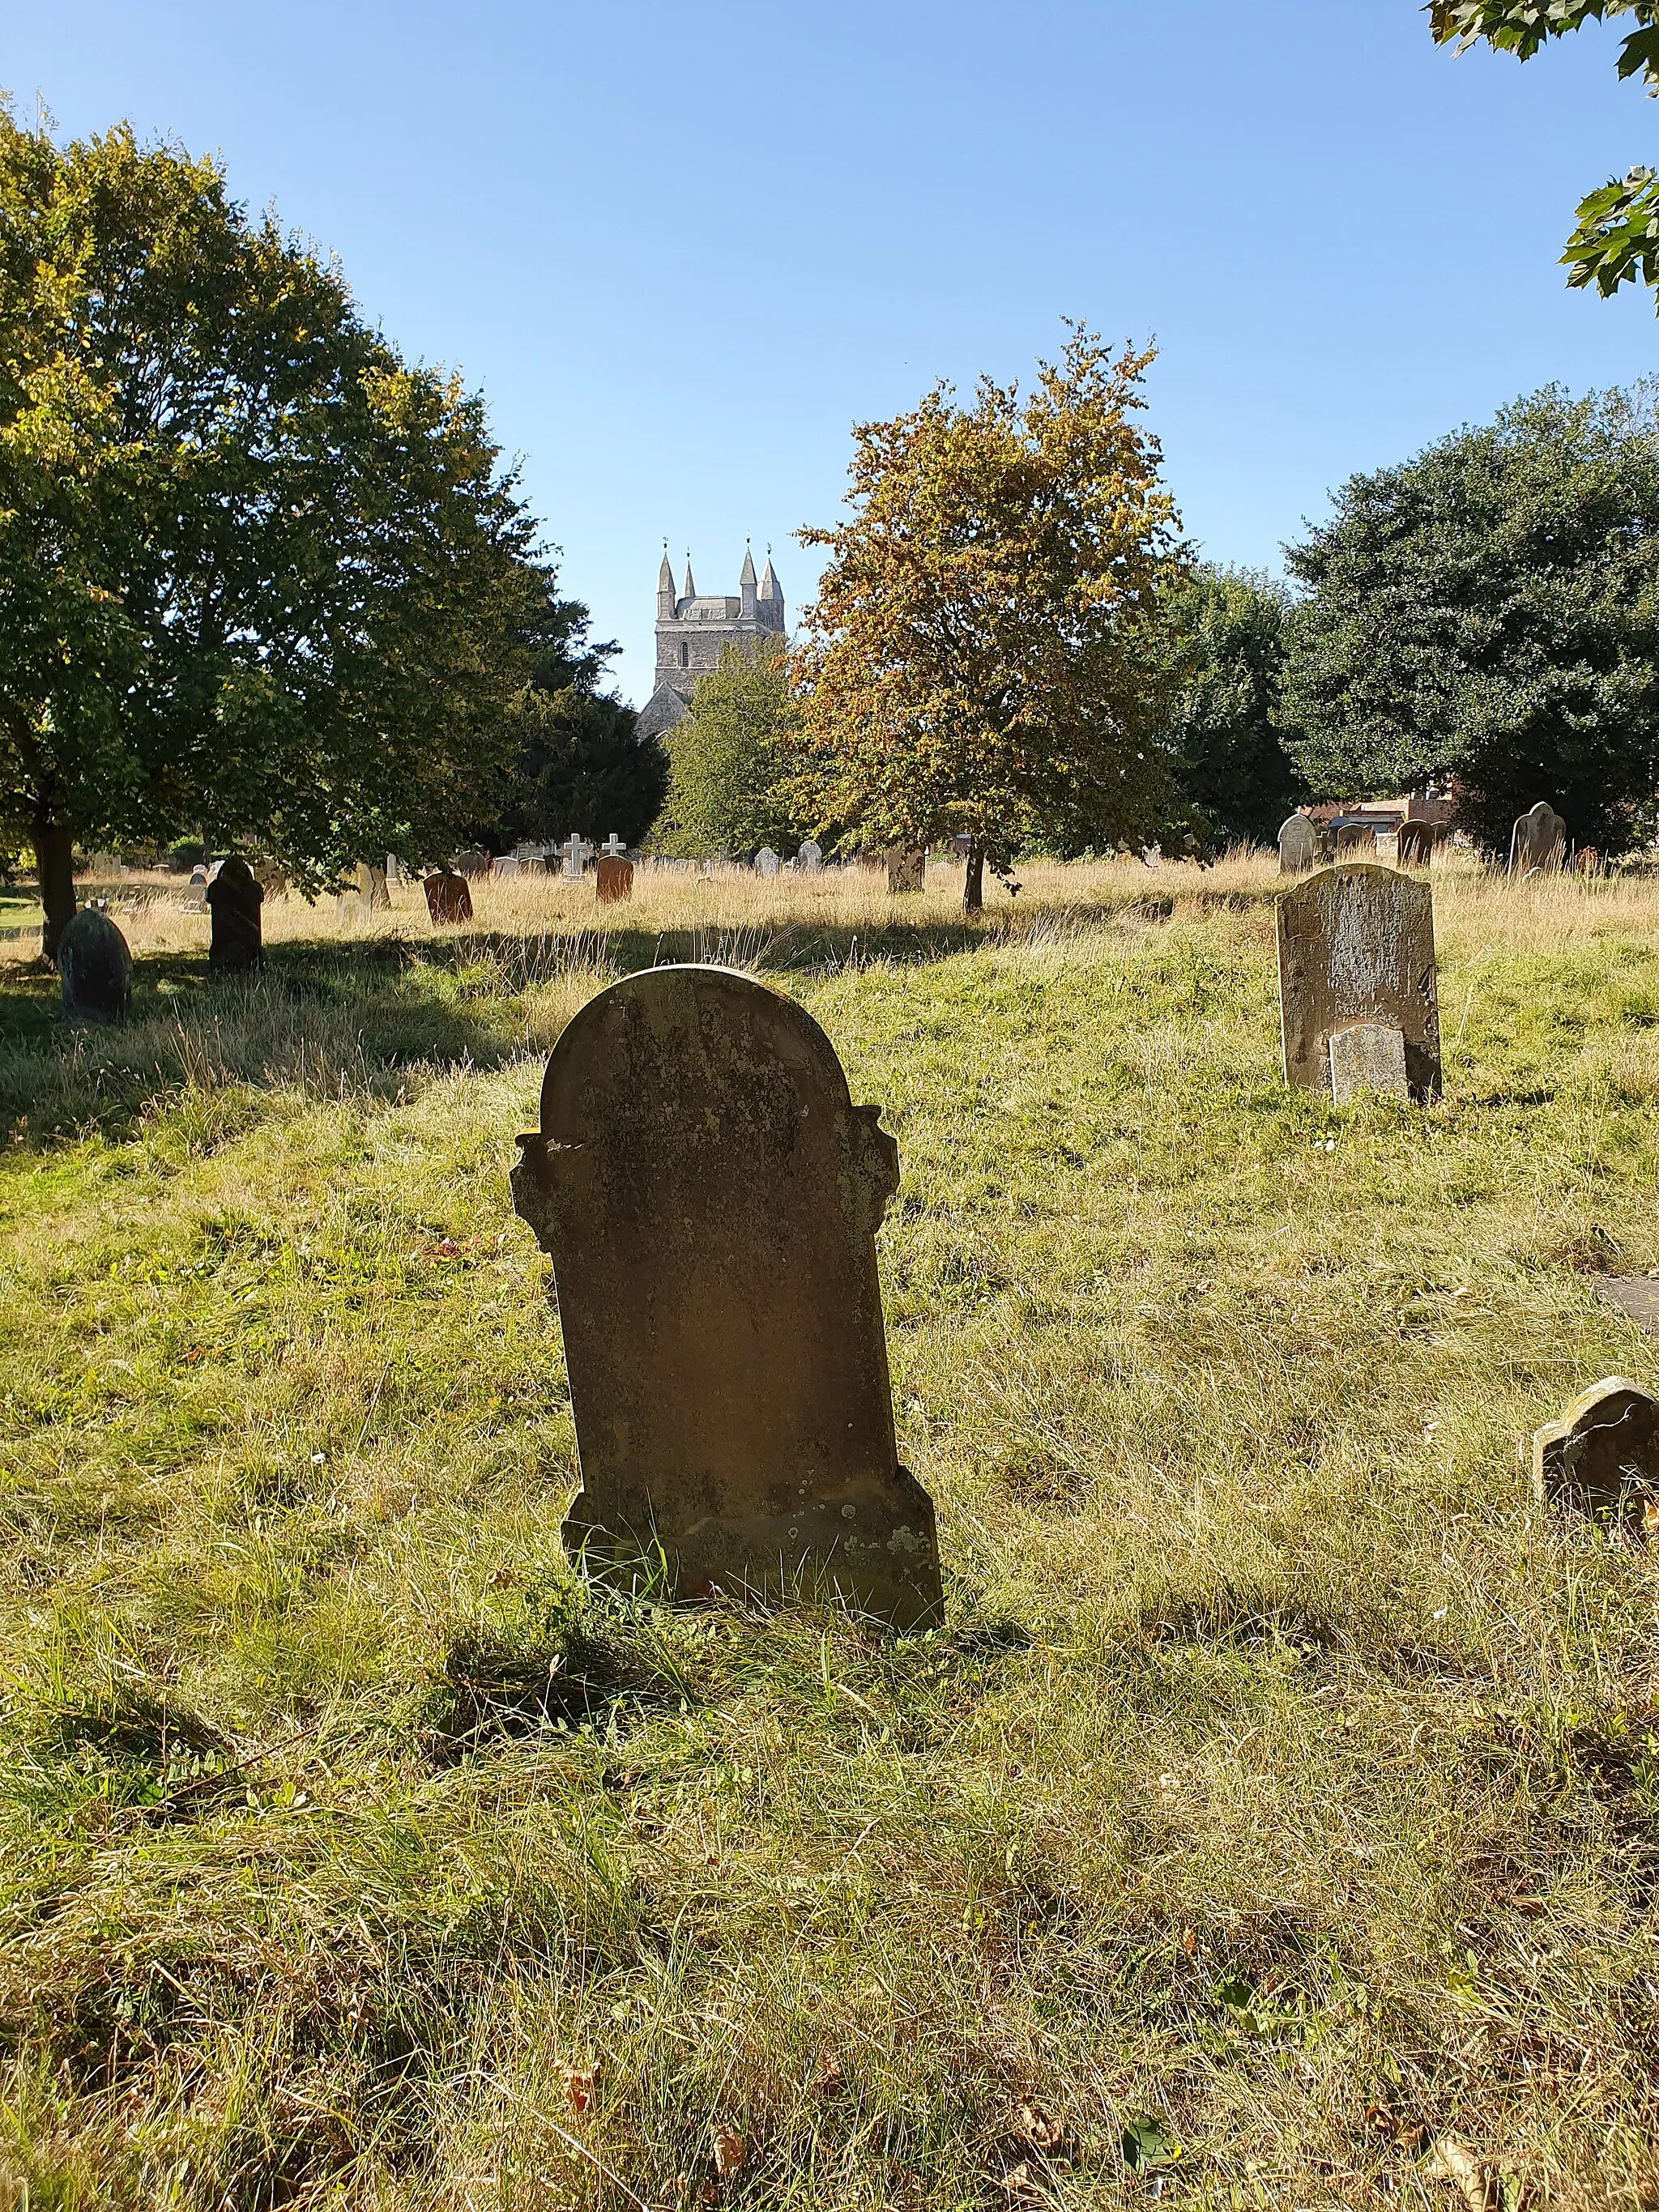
(1280, 1792)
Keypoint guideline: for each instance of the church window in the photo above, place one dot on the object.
(685, 656)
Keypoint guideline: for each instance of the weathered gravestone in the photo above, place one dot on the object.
(394, 871)
(1300, 846)
(472, 865)
(767, 862)
(94, 968)
(1414, 843)
(196, 890)
(1538, 841)
(1356, 953)
(508, 865)
(234, 897)
(372, 886)
(906, 871)
(1602, 1456)
(616, 879)
(1355, 837)
(709, 1195)
(810, 858)
(448, 896)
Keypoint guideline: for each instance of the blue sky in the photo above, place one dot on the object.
(682, 248)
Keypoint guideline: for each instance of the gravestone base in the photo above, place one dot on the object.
(1367, 1056)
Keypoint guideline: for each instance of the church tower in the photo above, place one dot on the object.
(692, 628)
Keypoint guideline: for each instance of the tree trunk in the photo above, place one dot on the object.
(973, 887)
(54, 864)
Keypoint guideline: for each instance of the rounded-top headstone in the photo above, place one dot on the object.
(234, 897)
(1298, 846)
(767, 862)
(810, 858)
(94, 968)
(1602, 1457)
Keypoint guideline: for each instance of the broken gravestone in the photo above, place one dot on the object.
(906, 871)
(448, 896)
(709, 1196)
(616, 880)
(1356, 954)
(1299, 846)
(234, 897)
(94, 968)
(1602, 1457)
(1538, 841)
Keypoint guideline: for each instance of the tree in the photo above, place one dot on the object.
(1489, 611)
(1224, 633)
(1617, 241)
(979, 662)
(733, 759)
(575, 762)
(257, 576)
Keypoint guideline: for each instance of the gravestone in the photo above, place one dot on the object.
(709, 1195)
(575, 852)
(1602, 1457)
(906, 871)
(448, 896)
(1356, 946)
(1538, 841)
(270, 878)
(614, 847)
(1367, 1056)
(372, 886)
(616, 879)
(234, 897)
(94, 968)
(1299, 846)
(196, 890)
(394, 872)
(508, 865)
(767, 862)
(810, 858)
(1355, 837)
(1414, 843)
(472, 865)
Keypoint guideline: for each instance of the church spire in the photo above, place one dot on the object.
(690, 592)
(769, 586)
(665, 588)
(770, 603)
(746, 583)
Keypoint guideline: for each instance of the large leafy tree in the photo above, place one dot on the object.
(1489, 612)
(575, 762)
(1617, 239)
(1224, 632)
(734, 758)
(979, 661)
(256, 575)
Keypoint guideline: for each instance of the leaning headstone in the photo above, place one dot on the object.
(709, 1195)
(1602, 1457)
(372, 886)
(907, 869)
(448, 896)
(1355, 837)
(1539, 841)
(234, 897)
(94, 968)
(767, 862)
(810, 858)
(1356, 947)
(1414, 843)
(1298, 846)
(616, 879)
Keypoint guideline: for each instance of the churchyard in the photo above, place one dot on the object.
(1269, 1820)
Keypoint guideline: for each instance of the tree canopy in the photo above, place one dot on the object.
(1224, 633)
(257, 576)
(977, 660)
(733, 759)
(1617, 239)
(1489, 612)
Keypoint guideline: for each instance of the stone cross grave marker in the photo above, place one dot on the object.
(709, 1195)
(1299, 846)
(1538, 841)
(1602, 1457)
(234, 897)
(810, 858)
(575, 852)
(448, 896)
(1356, 950)
(616, 880)
(907, 869)
(767, 862)
(94, 968)
(614, 847)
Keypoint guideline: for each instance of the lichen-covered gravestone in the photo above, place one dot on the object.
(906, 871)
(810, 858)
(616, 880)
(1357, 973)
(767, 862)
(234, 897)
(1602, 1456)
(448, 897)
(94, 968)
(1298, 846)
(709, 1196)
(1539, 841)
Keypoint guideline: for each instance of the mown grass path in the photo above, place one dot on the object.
(1280, 1792)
